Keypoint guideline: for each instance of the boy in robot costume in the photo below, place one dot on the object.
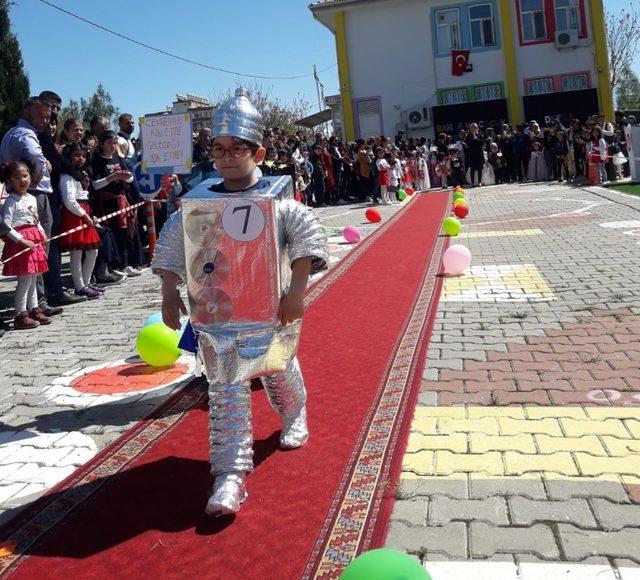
(232, 355)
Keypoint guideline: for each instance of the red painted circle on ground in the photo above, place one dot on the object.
(134, 377)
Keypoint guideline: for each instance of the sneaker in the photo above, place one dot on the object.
(65, 298)
(97, 288)
(50, 311)
(132, 272)
(88, 293)
(112, 278)
(24, 322)
(39, 315)
(119, 273)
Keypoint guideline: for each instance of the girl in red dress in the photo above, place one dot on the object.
(20, 215)
(75, 213)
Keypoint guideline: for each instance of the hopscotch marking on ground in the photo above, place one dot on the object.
(498, 283)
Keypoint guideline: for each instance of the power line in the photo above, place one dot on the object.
(176, 56)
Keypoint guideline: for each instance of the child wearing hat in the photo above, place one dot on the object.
(230, 353)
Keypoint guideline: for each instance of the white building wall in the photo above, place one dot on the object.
(390, 56)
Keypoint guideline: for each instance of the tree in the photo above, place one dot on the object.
(100, 103)
(623, 37)
(628, 91)
(275, 112)
(14, 83)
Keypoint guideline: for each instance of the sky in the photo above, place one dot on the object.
(274, 38)
(271, 38)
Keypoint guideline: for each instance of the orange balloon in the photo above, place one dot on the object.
(459, 189)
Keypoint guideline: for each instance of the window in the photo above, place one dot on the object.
(567, 16)
(539, 86)
(575, 82)
(448, 30)
(481, 21)
(533, 23)
(368, 113)
(454, 96)
(488, 92)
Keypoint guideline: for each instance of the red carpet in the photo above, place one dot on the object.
(136, 510)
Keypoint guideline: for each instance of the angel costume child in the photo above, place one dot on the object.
(245, 249)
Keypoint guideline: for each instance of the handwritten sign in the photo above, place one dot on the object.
(167, 143)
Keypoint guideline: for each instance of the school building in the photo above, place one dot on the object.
(427, 66)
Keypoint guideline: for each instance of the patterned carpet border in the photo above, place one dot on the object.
(359, 514)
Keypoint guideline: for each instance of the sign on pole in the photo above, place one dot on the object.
(167, 143)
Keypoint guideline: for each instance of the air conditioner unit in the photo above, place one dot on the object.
(417, 117)
(566, 38)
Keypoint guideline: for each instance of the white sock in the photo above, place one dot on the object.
(76, 269)
(88, 264)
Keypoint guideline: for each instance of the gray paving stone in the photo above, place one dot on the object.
(578, 544)
(450, 539)
(514, 486)
(525, 511)
(563, 489)
(443, 510)
(615, 516)
(486, 540)
(412, 512)
(455, 488)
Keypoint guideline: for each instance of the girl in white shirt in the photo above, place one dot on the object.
(75, 213)
(384, 179)
(20, 216)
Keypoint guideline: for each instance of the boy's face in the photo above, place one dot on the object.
(234, 166)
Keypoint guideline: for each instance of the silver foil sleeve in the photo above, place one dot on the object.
(169, 252)
(305, 235)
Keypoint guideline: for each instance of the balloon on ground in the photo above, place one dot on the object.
(459, 201)
(157, 345)
(351, 234)
(451, 226)
(461, 211)
(384, 564)
(373, 215)
(456, 260)
(402, 195)
(409, 190)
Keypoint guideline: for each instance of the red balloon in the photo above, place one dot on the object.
(409, 190)
(373, 215)
(461, 211)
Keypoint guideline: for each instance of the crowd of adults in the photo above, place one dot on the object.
(325, 171)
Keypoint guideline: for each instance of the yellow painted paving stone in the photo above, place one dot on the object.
(621, 447)
(420, 463)
(459, 285)
(501, 233)
(591, 465)
(613, 412)
(454, 442)
(423, 424)
(456, 412)
(510, 426)
(447, 462)
(560, 462)
(538, 412)
(587, 443)
(481, 443)
(529, 279)
(576, 428)
(515, 412)
(630, 480)
(487, 425)
(634, 427)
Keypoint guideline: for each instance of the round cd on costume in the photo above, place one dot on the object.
(203, 226)
(209, 268)
(212, 305)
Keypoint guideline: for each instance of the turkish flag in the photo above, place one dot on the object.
(459, 61)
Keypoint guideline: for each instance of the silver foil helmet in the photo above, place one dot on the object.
(237, 117)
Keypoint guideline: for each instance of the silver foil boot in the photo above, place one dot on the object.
(229, 491)
(295, 432)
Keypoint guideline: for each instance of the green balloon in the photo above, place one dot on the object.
(384, 564)
(451, 226)
(402, 194)
(457, 196)
(157, 345)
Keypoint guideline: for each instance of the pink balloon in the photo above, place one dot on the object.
(456, 259)
(351, 234)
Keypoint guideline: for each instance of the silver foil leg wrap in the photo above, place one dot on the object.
(229, 491)
(230, 431)
(287, 395)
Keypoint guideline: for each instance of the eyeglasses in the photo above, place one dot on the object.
(237, 151)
